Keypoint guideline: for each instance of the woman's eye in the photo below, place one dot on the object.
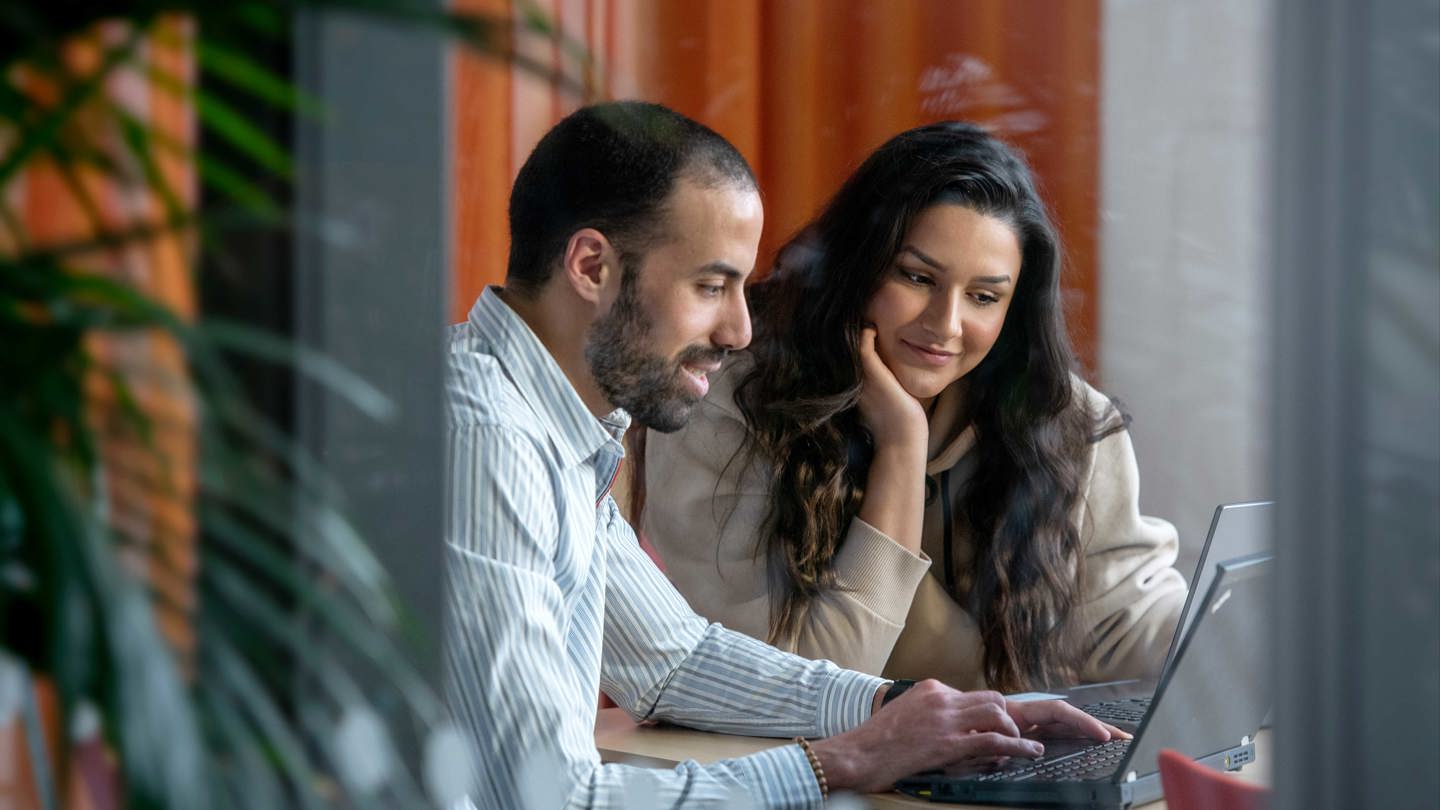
(986, 299)
(913, 278)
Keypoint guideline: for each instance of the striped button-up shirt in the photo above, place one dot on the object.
(551, 599)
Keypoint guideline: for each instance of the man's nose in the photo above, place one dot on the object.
(734, 330)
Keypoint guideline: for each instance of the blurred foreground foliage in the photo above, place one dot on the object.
(182, 634)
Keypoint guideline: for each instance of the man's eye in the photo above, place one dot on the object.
(712, 290)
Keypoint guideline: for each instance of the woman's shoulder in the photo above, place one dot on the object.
(696, 465)
(1102, 409)
(720, 400)
(715, 430)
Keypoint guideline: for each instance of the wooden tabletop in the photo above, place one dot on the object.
(620, 740)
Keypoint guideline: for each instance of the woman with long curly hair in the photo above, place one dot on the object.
(904, 474)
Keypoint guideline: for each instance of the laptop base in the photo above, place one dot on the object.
(1095, 795)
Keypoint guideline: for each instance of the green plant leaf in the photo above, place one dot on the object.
(44, 132)
(225, 121)
(332, 541)
(266, 719)
(137, 138)
(331, 607)
(116, 655)
(248, 768)
(339, 380)
(238, 69)
(275, 540)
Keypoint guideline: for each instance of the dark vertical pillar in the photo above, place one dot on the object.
(372, 271)
(1357, 402)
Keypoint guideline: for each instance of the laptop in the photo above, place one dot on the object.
(1236, 530)
(1208, 705)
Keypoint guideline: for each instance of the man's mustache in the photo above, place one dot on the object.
(702, 354)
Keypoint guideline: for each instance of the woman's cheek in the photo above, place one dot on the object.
(984, 339)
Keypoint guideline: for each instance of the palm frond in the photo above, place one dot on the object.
(220, 725)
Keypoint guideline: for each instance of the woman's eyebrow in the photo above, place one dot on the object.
(917, 253)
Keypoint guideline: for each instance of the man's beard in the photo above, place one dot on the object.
(651, 388)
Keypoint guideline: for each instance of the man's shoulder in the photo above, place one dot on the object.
(487, 413)
(480, 394)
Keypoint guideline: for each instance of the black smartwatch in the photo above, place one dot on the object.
(897, 688)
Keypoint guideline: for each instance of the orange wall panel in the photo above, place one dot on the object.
(480, 166)
(805, 89)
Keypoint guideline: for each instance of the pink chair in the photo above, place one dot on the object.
(1191, 786)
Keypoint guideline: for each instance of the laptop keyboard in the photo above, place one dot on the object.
(1129, 710)
(1097, 762)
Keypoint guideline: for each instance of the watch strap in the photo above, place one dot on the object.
(897, 688)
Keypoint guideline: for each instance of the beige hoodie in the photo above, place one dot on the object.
(891, 615)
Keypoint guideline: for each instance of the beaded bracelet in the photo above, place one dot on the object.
(815, 766)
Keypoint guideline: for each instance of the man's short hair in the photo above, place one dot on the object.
(610, 167)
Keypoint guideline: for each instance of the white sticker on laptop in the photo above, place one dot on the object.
(1023, 697)
(1224, 597)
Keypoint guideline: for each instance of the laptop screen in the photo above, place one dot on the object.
(1236, 530)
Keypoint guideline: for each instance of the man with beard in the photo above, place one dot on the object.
(632, 232)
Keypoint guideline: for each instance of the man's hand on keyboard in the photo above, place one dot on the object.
(1056, 718)
(933, 725)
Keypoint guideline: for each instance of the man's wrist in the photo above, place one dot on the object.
(836, 763)
(895, 689)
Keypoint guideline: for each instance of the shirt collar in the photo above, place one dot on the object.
(577, 434)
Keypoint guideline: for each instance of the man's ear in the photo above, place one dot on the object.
(589, 264)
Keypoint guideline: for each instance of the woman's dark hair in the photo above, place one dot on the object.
(801, 400)
(610, 167)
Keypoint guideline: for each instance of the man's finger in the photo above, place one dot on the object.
(1052, 712)
(1055, 730)
(1118, 734)
(987, 717)
(990, 744)
(1058, 731)
(984, 696)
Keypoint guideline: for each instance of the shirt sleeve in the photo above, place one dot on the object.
(513, 686)
(704, 513)
(1132, 593)
(664, 662)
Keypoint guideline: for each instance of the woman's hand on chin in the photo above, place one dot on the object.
(894, 417)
